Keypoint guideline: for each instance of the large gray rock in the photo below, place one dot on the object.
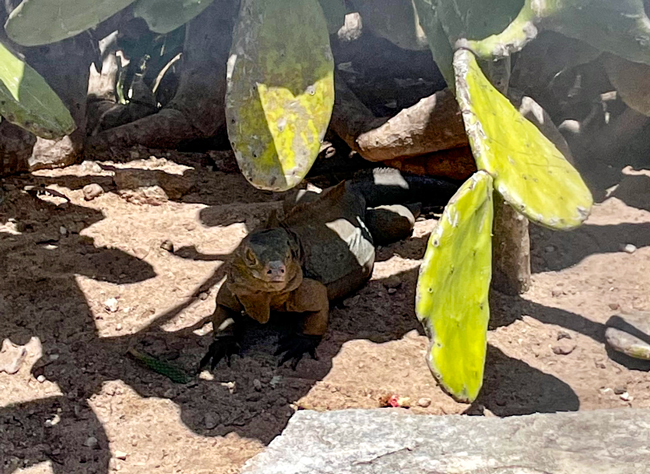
(386, 442)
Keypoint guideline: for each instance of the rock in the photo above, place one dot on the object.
(91, 442)
(257, 385)
(629, 333)
(90, 166)
(392, 281)
(152, 195)
(167, 245)
(11, 357)
(91, 191)
(121, 455)
(211, 420)
(564, 347)
(629, 248)
(625, 397)
(373, 441)
(111, 305)
(351, 302)
(424, 402)
(620, 389)
(41, 378)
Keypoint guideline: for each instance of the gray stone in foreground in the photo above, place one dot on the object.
(386, 442)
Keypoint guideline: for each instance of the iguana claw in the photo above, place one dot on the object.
(222, 346)
(296, 345)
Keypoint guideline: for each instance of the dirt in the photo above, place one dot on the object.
(140, 264)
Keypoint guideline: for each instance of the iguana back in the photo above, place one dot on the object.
(337, 247)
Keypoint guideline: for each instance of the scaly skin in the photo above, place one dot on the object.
(321, 251)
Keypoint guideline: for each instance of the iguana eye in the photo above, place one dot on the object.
(251, 259)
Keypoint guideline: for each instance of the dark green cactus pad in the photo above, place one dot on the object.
(439, 44)
(452, 291)
(394, 20)
(529, 171)
(37, 22)
(620, 27)
(164, 16)
(631, 80)
(280, 90)
(28, 101)
(334, 11)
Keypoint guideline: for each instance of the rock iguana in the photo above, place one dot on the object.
(322, 250)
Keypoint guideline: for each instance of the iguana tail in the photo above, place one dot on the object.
(382, 186)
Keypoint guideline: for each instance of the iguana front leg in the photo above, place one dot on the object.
(310, 299)
(224, 326)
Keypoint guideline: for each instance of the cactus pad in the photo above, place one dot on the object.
(621, 27)
(164, 16)
(37, 22)
(442, 52)
(280, 90)
(452, 289)
(335, 12)
(28, 101)
(529, 171)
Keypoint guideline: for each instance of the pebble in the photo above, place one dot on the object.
(203, 296)
(41, 378)
(91, 191)
(350, 302)
(210, 420)
(629, 248)
(614, 306)
(392, 291)
(121, 455)
(257, 385)
(91, 442)
(206, 375)
(620, 389)
(622, 330)
(118, 327)
(111, 305)
(392, 282)
(626, 397)
(63, 230)
(275, 381)
(53, 421)
(424, 402)
(167, 245)
(564, 347)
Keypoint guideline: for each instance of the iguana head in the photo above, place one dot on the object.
(266, 260)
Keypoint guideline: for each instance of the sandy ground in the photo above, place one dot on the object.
(80, 281)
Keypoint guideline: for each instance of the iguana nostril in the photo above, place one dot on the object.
(277, 269)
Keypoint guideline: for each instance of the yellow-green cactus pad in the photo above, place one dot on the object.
(28, 101)
(37, 22)
(280, 90)
(529, 171)
(452, 291)
(163, 16)
(621, 27)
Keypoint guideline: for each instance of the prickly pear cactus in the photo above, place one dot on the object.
(441, 49)
(37, 22)
(395, 20)
(164, 16)
(452, 289)
(631, 80)
(280, 90)
(621, 27)
(334, 11)
(529, 171)
(28, 101)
